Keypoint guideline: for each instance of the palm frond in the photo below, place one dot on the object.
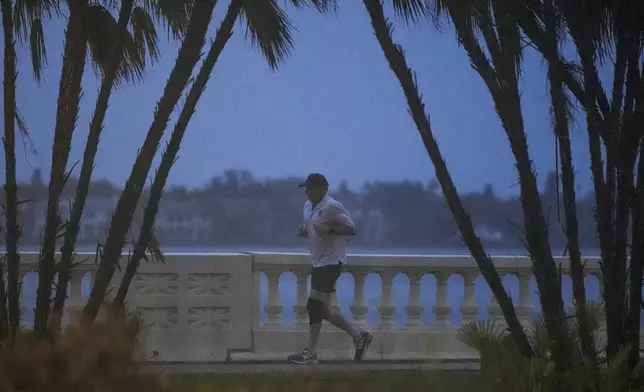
(28, 24)
(38, 49)
(320, 5)
(539, 337)
(144, 34)
(173, 14)
(479, 335)
(268, 27)
(102, 29)
(618, 366)
(24, 133)
(589, 20)
(27, 11)
(458, 11)
(507, 27)
(596, 315)
(411, 10)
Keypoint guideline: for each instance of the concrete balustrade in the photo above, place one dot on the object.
(210, 307)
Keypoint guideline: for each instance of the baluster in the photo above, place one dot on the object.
(358, 305)
(493, 307)
(600, 283)
(386, 308)
(470, 307)
(75, 301)
(414, 307)
(75, 285)
(442, 308)
(301, 314)
(273, 306)
(524, 305)
(21, 277)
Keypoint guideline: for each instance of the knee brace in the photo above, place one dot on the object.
(315, 307)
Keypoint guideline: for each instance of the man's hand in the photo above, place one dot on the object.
(302, 233)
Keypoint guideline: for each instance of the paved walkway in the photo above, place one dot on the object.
(284, 367)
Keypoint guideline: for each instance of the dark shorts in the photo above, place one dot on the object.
(323, 278)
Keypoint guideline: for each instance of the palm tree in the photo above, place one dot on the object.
(67, 111)
(189, 54)
(90, 27)
(123, 60)
(598, 29)
(10, 187)
(561, 112)
(500, 72)
(26, 19)
(398, 64)
(269, 27)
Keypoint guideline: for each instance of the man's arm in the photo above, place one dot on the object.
(339, 221)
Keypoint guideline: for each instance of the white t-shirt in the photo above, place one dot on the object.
(326, 249)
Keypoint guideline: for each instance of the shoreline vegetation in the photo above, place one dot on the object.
(236, 209)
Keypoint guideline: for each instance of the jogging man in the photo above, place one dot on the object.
(326, 223)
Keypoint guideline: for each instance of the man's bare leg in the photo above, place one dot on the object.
(318, 307)
(314, 336)
(361, 339)
(337, 320)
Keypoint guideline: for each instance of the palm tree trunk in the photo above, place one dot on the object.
(500, 74)
(67, 112)
(613, 267)
(612, 183)
(189, 55)
(4, 322)
(636, 264)
(169, 156)
(570, 210)
(562, 132)
(398, 64)
(12, 231)
(91, 148)
(636, 130)
(536, 232)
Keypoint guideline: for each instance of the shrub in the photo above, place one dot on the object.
(98, 358)
(503, 368)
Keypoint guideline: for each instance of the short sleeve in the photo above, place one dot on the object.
(336, 213)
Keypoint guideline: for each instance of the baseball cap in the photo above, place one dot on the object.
(314, 180)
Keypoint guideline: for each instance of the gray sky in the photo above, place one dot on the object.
(334, 106)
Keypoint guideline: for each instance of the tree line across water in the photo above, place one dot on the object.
(236, 209)
(120, 39)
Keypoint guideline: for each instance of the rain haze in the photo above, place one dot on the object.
(232, 218)
(334, 106)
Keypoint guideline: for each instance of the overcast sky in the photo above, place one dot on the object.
(334, 106)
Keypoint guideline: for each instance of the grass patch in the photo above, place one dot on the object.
(438, 381)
